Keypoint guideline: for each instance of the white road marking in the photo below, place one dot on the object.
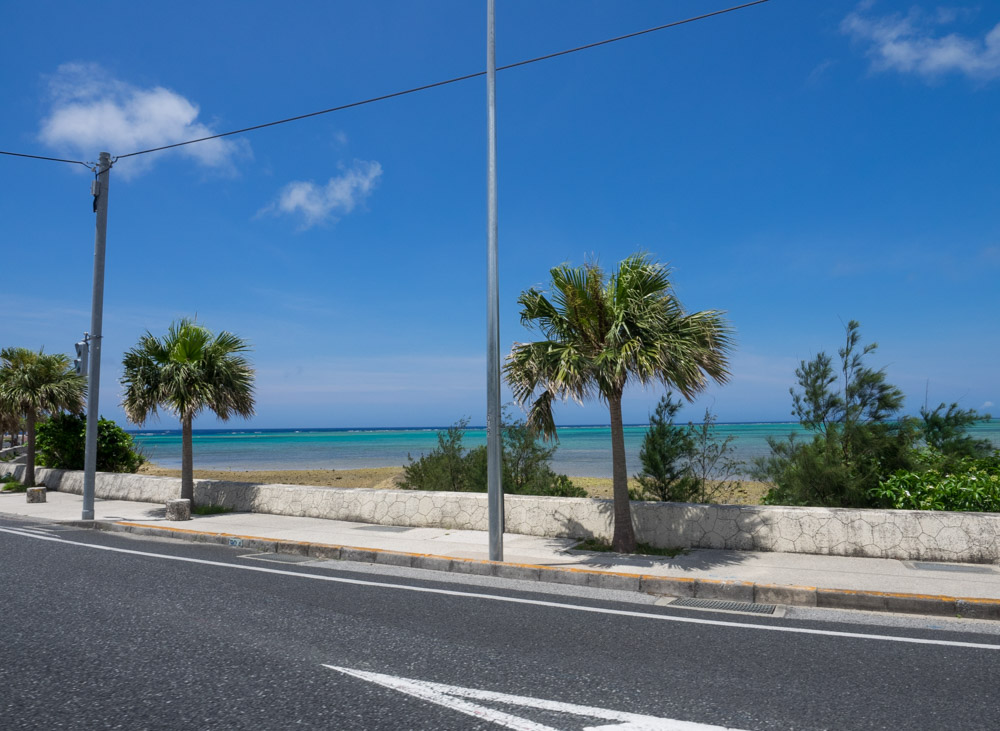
(451, 696)
(516, 600)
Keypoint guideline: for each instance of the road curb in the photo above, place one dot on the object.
(668, 586)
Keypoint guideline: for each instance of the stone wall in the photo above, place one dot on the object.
(900, 534)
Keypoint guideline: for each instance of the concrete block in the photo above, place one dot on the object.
(985, 609)
(567, 576)
(357, 554)
(294, 547)
(513, 571)
(36, 494)
(179, 509)
(837, 599)
(796, 596)
(431, 563)
(389, 558)
(330, 553)
(667, 587)
(935, 606)
(731, 591)
(614, 582)
(477, 568)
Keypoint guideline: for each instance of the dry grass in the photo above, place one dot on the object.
(748, 493)
(378, 477)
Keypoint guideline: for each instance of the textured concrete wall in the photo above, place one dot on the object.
(900, 534)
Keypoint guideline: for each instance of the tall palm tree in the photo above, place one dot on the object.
(33, 384)
(186, 372)
(604, 332)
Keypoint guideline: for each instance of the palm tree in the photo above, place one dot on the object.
(186, 372)
(604, 332)
(36, 383)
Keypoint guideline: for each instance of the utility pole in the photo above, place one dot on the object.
(494, 449)
(100, 191)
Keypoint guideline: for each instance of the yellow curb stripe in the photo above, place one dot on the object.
(648, 577)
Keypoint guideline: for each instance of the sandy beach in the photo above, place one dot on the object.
(748, 493)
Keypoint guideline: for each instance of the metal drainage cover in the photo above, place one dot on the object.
(960, 569)
(280, 557)
(747, 607)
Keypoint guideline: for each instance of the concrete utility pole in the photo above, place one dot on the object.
(494, 449)
(100, 191)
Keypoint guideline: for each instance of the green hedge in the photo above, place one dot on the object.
(60, 443)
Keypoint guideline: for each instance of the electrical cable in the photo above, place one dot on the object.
(42, 157)
(443, 83)
(415, 89)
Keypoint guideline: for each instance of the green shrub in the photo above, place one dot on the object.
(526, 469)
(9, 483)
(61, 444)
(684, 463)
(856, 442)
(665, 456)
(971, 485)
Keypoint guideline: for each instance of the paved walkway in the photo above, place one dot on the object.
(843, 576)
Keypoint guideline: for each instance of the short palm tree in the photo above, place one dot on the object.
(604, 332)
(33, 384)
(186, 372)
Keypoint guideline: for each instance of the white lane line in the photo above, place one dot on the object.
(450, 696)
(516, 600)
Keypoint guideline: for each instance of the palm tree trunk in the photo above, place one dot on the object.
(187, 461)
(29, 469)
(624, 538)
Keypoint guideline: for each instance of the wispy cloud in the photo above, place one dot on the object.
(913, 44)
(314, 204)
(92, 111)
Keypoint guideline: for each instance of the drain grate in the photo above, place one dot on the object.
(748, 607)
(280, 557)
(956, 568)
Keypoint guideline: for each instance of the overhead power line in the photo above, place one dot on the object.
(42, 157)
(414, 90)
(436, 84)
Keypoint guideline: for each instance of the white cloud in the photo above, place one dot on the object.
(986, 405)
(340, 195)
(911, 44)
(91, 111)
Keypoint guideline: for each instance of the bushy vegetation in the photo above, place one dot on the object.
(61, 444)
(9, 483)
(684, 463)
(863, 452)
(526, 469)
(969, 485)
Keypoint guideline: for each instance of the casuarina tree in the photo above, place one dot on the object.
(185, 372)
(33, 384)
(603, 332)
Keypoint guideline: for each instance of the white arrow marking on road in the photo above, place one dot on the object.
(451, 696)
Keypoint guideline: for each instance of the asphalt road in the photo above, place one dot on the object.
(106, 631)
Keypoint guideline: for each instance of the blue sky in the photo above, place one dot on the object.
(798, 164)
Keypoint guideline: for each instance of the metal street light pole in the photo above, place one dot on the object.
(100, 191)
(494, 449)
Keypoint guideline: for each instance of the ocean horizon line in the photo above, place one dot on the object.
(471, 427)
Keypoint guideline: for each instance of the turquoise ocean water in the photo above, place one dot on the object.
(583, 451)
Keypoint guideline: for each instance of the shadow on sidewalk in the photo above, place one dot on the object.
(693, 559)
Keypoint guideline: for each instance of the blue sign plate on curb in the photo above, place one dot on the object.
(236, 542)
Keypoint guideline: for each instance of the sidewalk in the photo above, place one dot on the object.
(777, 578)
